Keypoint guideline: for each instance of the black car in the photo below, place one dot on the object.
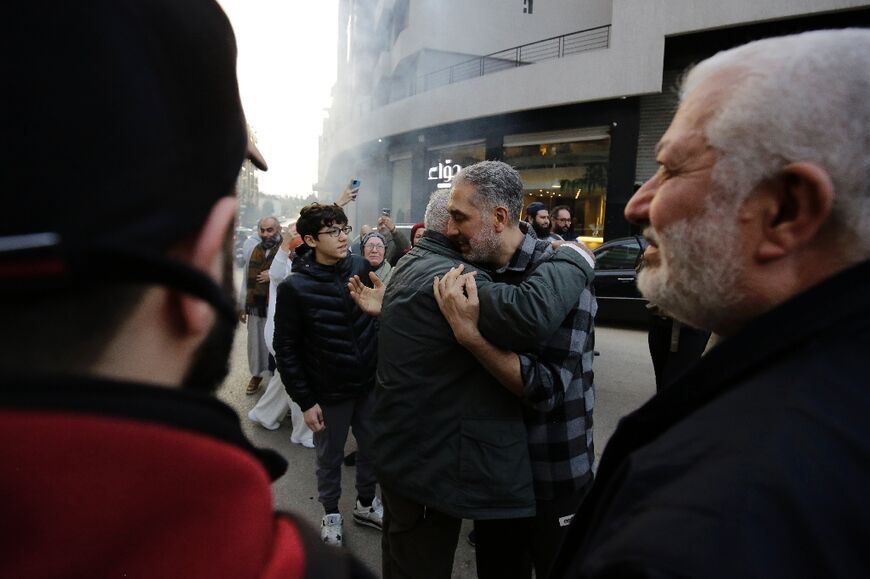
(615, 284)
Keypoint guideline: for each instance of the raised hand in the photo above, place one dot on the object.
(369, 299)
(348, 195)
(385, 223)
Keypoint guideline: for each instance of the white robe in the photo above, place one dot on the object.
(274, 403)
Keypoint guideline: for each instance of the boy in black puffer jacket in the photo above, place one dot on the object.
(326, 350)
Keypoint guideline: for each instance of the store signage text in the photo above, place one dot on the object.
(444, 172)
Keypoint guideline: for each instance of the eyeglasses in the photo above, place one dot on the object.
(374, 246)
(336, 231)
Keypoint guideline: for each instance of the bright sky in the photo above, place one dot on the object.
(286, 69)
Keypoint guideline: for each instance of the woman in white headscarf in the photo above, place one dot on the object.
(374, 248)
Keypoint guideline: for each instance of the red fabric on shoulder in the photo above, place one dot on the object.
(288, 559)
(88, 495)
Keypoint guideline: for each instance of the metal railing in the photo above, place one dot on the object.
(556, 47)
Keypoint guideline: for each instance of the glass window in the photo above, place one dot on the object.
(567, 173)
(617, 257)
(401, 194)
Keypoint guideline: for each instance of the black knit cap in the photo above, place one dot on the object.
(534, 207)
(121, 126)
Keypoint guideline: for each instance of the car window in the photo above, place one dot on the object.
(617, 257)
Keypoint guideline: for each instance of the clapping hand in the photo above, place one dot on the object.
(369, 299)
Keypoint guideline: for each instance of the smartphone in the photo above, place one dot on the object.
(385, 211)
(354, 187)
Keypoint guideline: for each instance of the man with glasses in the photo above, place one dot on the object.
(326, 351)
(538, 218)
(561, 222)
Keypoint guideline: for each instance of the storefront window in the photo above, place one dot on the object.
(565, 168)
(446, 161)
(401, 192)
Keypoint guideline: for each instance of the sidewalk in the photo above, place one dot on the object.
(624, 380)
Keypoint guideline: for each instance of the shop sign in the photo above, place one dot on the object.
(444, 172)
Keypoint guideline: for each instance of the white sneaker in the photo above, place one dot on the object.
(330, 529)
(372, 516)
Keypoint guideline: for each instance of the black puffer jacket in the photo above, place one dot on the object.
(325, 346)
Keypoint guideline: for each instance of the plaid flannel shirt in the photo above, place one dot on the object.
(559, 393)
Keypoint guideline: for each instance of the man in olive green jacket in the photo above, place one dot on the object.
(449, 440)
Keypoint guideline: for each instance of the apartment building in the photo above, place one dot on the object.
(573, 93)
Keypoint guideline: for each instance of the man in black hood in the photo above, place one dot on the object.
(538, 217)
(123, 135)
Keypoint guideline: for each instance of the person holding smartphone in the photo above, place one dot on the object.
(395, 241)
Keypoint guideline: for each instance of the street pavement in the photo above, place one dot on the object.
(623, 378)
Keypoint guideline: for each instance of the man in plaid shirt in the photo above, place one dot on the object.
(556, 386)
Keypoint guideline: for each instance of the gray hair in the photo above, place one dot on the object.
(436, 216)
(266, 218)
(496, 184)
(804, 97)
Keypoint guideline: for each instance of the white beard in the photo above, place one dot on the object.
(697, 279)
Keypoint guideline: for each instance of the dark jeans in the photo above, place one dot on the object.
(417, 542)
(329, 446)
(510, 548)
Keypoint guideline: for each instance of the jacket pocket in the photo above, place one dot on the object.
(494, 465)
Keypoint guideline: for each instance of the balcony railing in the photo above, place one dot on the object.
(556, 47)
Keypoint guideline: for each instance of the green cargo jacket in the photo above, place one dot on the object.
(446, 434)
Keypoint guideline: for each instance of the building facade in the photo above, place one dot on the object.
(573, 93)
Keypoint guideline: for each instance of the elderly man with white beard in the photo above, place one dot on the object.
(755, 462)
